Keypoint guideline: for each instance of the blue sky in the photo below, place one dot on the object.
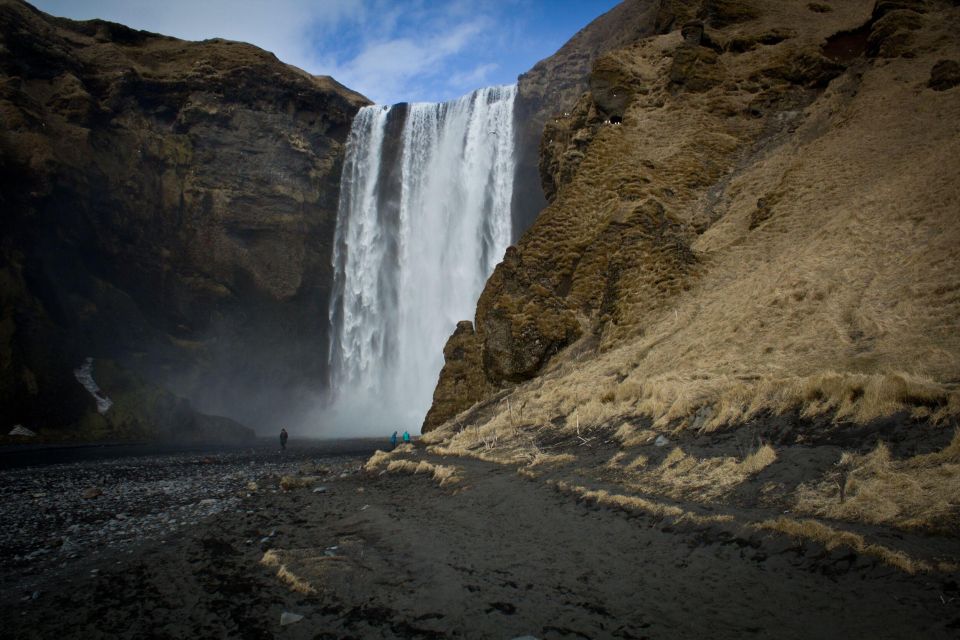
(389, 50)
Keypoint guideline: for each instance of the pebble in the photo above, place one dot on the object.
(289, 618)
(52, 515)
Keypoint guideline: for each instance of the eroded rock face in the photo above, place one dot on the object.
(552, 87)
(462, 378)
(171, 206)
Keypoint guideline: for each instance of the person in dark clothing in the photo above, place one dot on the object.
(393, 440)
(283, 439)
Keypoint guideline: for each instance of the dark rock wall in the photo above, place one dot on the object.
(169, 205)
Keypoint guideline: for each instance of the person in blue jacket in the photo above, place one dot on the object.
(393, 440)
(406, 437)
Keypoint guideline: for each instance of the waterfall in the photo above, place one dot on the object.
(424, 217)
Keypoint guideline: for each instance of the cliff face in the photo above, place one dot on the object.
(555, 84)
(751, 201)
(168, 205)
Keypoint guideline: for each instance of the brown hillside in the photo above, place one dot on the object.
(754, 239)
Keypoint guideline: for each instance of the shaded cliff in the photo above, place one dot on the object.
(168, 205)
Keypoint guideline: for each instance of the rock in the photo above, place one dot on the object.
(891, 36)
(695, 68)
(612, 86)
(661, 441)
(944, 75)
(21, 430)
(252, 486)
(554, 85)
(92, 492)
(461, 381)
(289, 618)
(320, 490)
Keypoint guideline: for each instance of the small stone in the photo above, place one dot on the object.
(92, 492)
(661, 441)
(289, 618)
(20, 430)
(320, 490)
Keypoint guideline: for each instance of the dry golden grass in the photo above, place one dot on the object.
(523, 472)
(832, 538)
(442, 474)
(921, 492)
(289, 483)
(636, 503)
(541, 459)
(684, 476)
(380, 458)
(272, 559)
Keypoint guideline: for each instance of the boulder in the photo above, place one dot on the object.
(944, 75)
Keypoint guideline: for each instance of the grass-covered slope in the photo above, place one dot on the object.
(752, 255)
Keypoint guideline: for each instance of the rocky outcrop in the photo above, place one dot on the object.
(462, 378)
(168, 205)
(553, 86)
(689, 184)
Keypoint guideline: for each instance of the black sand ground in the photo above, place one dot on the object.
(499, 556)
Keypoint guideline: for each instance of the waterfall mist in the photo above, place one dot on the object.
(424, 217)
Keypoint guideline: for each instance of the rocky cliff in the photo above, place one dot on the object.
(758, 196)
(168, 206)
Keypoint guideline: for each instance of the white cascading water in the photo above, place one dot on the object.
(419, 230)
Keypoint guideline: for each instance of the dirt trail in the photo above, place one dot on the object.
(493, 556)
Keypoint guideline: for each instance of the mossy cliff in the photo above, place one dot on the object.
(167, 205)
(757, 194)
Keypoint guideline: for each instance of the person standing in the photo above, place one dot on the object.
(406, 437)
(393, 440)
(283, 439)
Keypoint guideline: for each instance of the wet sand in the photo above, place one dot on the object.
(385, 555)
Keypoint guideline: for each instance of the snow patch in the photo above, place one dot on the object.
(84, 376)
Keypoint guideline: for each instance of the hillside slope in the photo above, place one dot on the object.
(746, 287)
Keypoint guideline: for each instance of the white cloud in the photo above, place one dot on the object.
(389, 51)
(476, 77)
(384, 68)
(279, 26)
